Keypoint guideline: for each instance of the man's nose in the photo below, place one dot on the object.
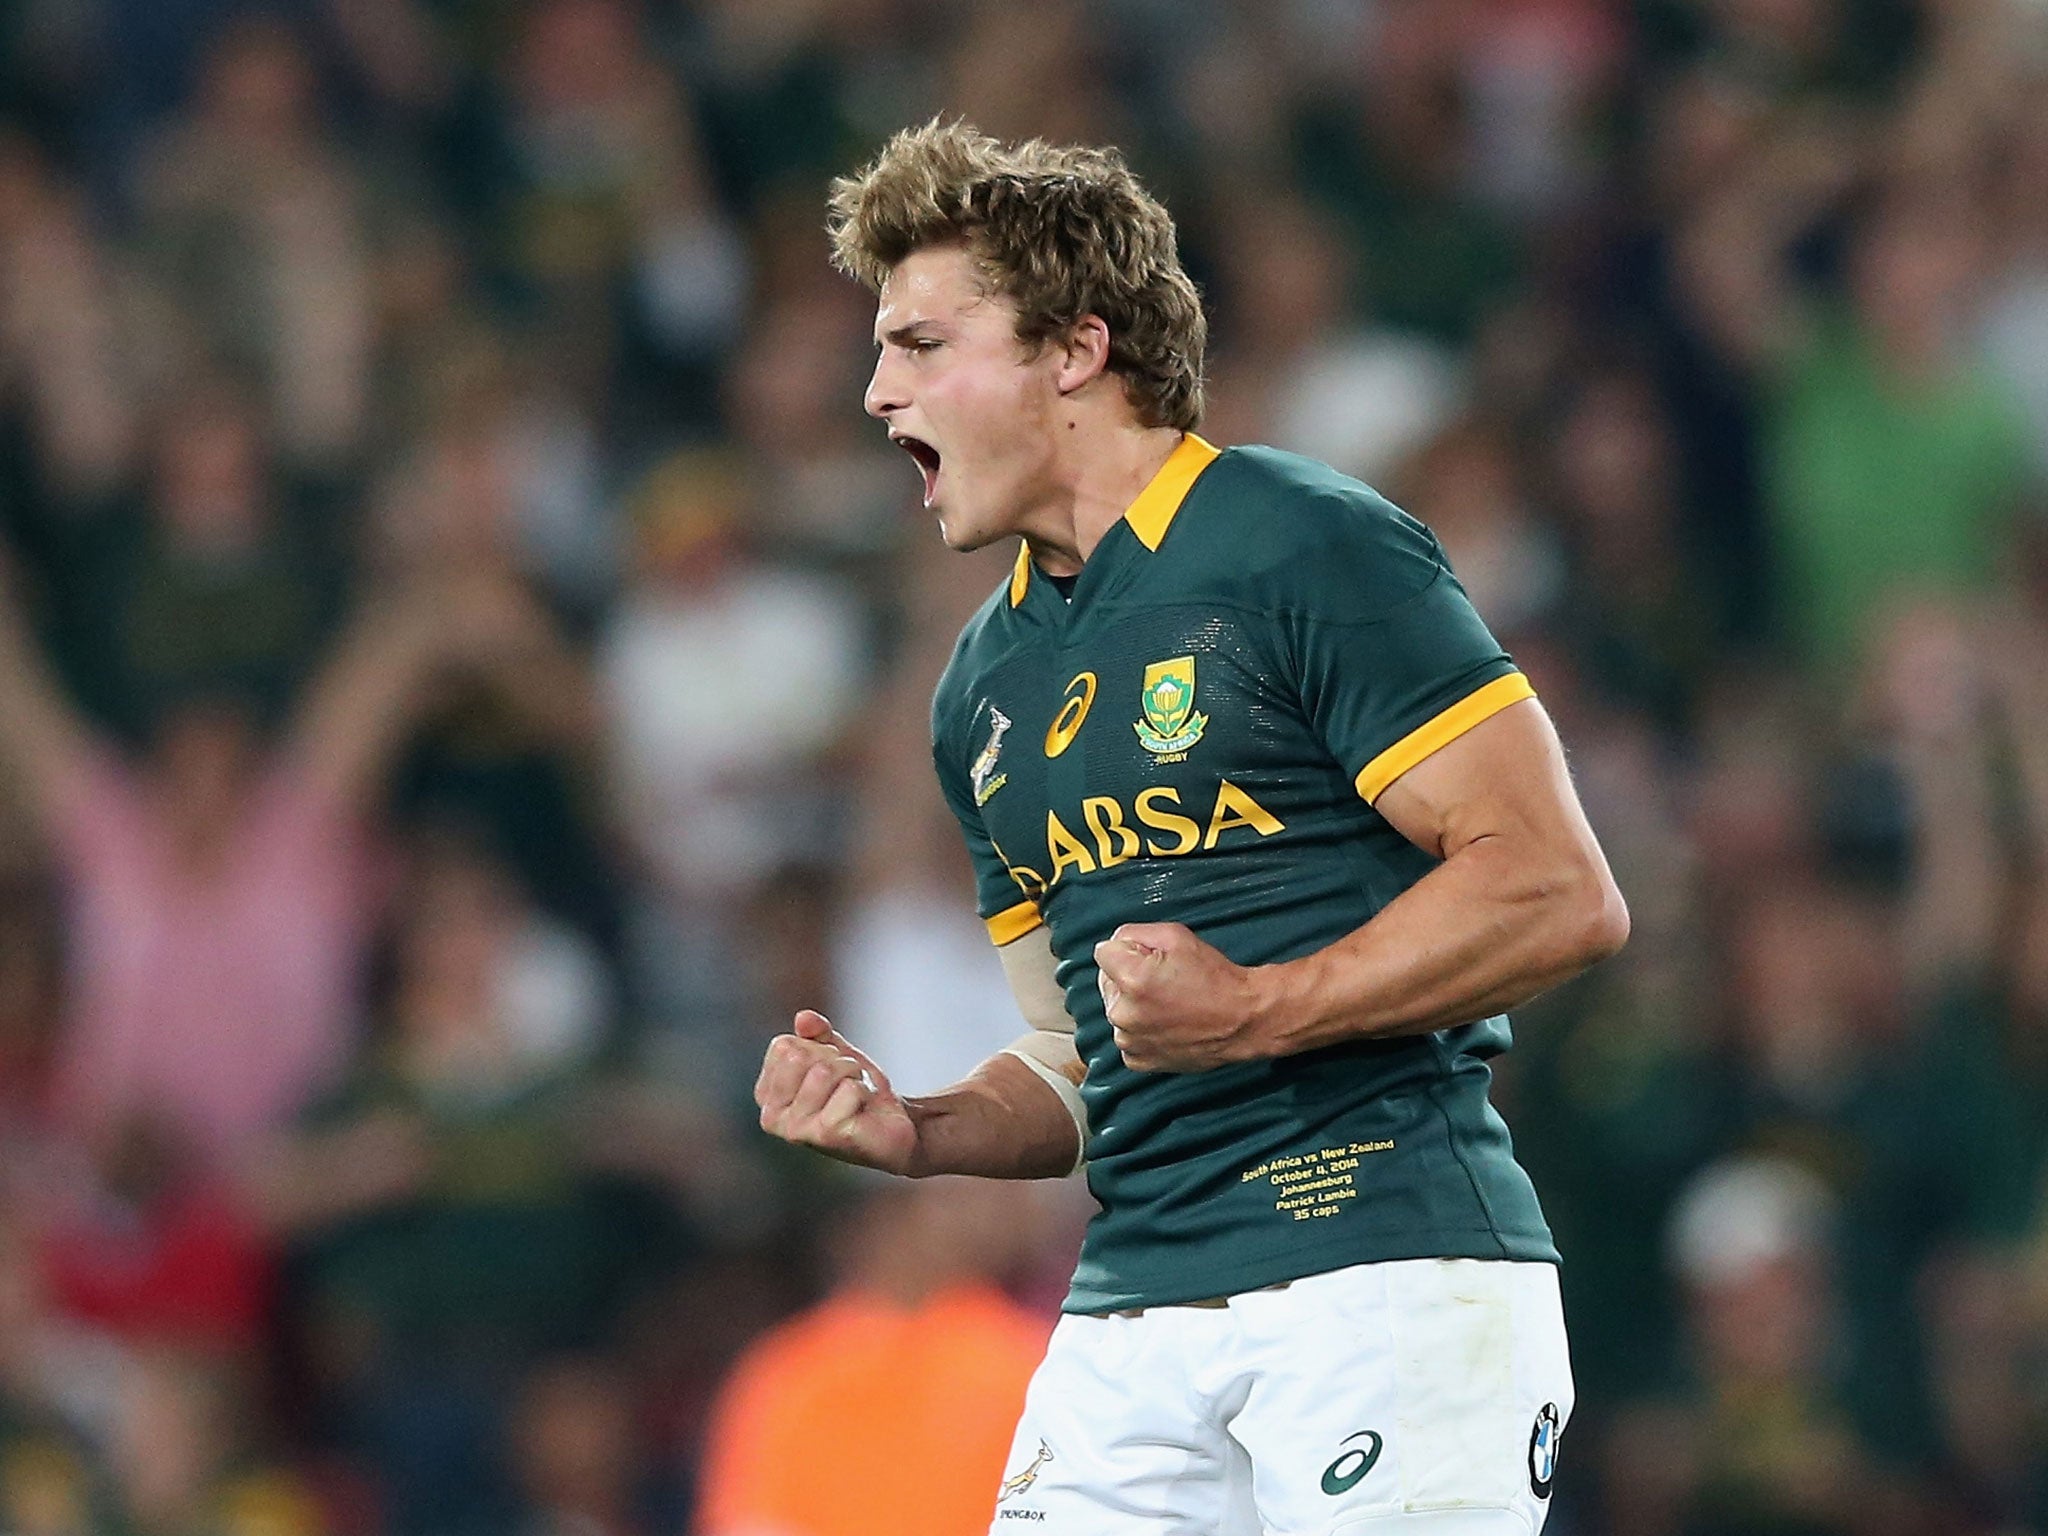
(885, 391)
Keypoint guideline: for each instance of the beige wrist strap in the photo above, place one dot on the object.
(1069, 1096)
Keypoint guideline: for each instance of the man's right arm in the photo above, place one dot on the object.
(1008, 1119)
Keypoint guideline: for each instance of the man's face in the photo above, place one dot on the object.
(967, 401)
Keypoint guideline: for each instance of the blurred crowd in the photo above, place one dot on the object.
(464, 671)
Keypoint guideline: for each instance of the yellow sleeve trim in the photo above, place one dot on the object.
(1481, 704)
(1013, 923)
(1153, 511)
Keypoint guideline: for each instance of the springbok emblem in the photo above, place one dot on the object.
(985, 763)
(1012, 1486)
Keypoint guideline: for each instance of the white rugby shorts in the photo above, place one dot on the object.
(1419, 1397)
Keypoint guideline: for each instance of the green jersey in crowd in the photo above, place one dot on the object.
(1196, 734)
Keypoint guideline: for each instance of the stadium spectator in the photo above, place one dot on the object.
(1642, 612)
(1509, 557)
(65, 343)
(1768, 1444)
(726, 678)
(1386, 138)
(2013, 329)
(1299, 369)
(1867, 401)
(821, 491)
(217, 891)
(916, 1303)
(146, 1245)
(511, 749)
(255, 235)
(57, 1386)
(446, 1218)
(185, 1447)
(206, 573)
(581, 1455)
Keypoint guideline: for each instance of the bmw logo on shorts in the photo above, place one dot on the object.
(1543, 1450)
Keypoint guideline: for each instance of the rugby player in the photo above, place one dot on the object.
(1269, 831)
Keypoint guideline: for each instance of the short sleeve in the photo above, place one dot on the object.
(1001, 901)
(1393, 661)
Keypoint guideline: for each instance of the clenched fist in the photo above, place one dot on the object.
(1176, 1004)
(818, 1090)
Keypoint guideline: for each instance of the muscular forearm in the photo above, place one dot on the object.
(1520, 899)
(1006, 1121)
(1003, 1122)
(1486, 930)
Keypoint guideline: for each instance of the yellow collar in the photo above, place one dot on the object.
(1153, 511)
(1150, 514)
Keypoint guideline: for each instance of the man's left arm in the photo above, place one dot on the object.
(1521, 901)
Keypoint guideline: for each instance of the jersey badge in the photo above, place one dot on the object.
(1171, 724)
(985, 763)
(1012, 1486)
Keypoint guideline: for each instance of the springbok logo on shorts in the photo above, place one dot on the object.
(1012, 1486)
(1340, 1478)
(1543, 1450)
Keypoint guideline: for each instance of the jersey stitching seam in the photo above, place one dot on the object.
(1262, 611)
(981, 669)
(1438, 1048)
(1238, 605)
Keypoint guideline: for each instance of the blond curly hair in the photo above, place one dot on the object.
(1062, 232)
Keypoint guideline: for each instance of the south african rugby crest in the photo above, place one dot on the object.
(1171, 724)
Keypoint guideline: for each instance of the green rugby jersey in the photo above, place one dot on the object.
(1250, 656)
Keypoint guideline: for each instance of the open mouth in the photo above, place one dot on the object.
(927, 458)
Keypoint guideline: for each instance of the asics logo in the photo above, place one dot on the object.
(1348, 1470)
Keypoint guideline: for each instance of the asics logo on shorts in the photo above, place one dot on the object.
(1348, 1470)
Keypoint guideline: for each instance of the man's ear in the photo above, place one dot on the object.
(1084, 355)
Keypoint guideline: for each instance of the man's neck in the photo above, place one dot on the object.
(1106, 469)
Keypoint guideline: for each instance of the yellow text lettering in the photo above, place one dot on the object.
(1114, 842)
(1186, 832)
(1065, 848)
(1235, 808)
